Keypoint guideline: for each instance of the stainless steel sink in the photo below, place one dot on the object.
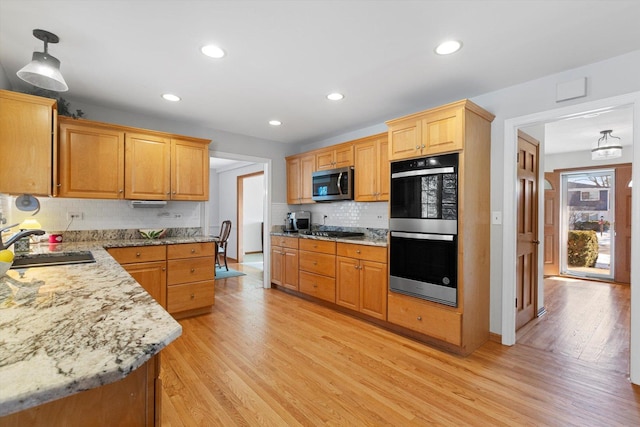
(43, 260)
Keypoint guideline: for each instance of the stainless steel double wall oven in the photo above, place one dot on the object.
(424, 228)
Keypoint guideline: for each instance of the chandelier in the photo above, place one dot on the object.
(606, 149)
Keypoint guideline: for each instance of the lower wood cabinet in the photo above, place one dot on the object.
(427, 318)
(148, 266)
(180, 277)
(284, 261)
(361, 279)
(318, 269)
(190, 278)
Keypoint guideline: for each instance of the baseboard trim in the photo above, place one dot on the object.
(493, 337)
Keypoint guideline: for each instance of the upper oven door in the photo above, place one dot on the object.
(425, 189)
(334, 184)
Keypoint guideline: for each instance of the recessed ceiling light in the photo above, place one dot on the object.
(213, 51)
(448, 47)
(335, 96)
(275, 122)
(170, 97)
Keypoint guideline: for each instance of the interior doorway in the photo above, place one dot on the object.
(250, 219)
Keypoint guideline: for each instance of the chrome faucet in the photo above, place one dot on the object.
(19, 235)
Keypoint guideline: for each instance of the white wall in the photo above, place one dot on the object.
(579, 159)
(253, 213)
(227, 201)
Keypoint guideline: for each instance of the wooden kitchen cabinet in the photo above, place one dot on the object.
(28, 132)
(336, 156)
(147, 167)
(434, 131)
(90, 160)
(105, 161)
(361, 279)
(190, 278)
(299, 173)
(371, 169)
(148, 266)
(318, 268)
(284, 261)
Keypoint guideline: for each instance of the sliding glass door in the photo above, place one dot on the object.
(587, 223)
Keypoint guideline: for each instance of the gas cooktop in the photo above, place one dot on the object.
(336, 233)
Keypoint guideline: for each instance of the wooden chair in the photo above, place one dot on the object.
(221, 248)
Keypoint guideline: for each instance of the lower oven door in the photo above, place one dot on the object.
(424, 266)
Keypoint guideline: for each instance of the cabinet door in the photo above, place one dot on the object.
(325, 160)
(384, 170)
(366, 159)
(343, 156)
(290, 277)
(373, 289)
(307, 168)
(189, 170)
(347, 283)
(277, 266)
(147, 167)
(442, 131)
(152, 277)
(27, 130)
(293, 181)
(90, 161)
(404, 140)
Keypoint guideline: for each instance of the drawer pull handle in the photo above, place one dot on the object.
(419, 317)
(193, 270)
(193, 296)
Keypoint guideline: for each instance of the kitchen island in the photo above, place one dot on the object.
(83, 331)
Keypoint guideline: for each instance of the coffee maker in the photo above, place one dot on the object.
(289, 220)
(297, 222)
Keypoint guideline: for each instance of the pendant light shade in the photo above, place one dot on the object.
(44, 70)
(606, 149)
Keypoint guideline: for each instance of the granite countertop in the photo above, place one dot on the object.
(67, 329)
(360, 240)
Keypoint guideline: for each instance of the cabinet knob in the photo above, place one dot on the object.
(138, 254)
(355, 266)
(164, 269)
(58, 185)
(357, 251)
(193, 296)
(417, 147)
(419, 317)
(315, 285)
(193, 270)
(193, 251)
(315, 262)
(423, 145)
(174, 192)
(120, 191)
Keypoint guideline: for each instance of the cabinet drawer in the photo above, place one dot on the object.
(190, 270)
(369, 253)
(134, 254)
(414, 314)
(285, 242)
(318, 286)
(187, 250)
(190, 296)
(318, 263)
(313, 245)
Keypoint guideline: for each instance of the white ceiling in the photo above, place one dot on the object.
(285, 56)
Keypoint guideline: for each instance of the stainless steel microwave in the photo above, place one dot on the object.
(333, 184)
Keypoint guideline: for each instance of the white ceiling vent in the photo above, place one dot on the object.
(147, 203)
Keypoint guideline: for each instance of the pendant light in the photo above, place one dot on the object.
(606, 149)
(44, 70)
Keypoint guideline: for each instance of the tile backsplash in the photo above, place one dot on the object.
(103, 214)
(347, 214)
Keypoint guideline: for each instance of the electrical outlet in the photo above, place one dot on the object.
(75, 216)
(496, 217)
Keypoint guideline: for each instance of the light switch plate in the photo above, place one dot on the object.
(496, 217)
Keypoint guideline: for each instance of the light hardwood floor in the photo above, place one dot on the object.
(585, 320)
(264, 357)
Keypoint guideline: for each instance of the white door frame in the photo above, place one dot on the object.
(205, 210)
(510, 214)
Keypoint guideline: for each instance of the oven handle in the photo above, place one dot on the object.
(421, 172)
(421, 236)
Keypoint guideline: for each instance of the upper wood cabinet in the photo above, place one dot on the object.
(90, 159)
(371, 168)
(337, 156)
(434, 131)
(28, 130)
(299, 185)
(105, 161)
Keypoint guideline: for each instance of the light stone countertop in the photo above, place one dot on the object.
(359, 240)
(66, 329)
